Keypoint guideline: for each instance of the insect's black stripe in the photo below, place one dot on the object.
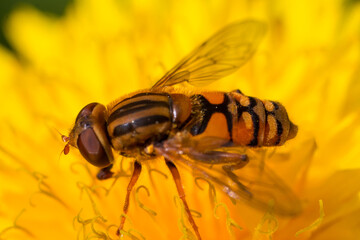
(276, 106)
(140, 122)
(135, 103)
(205, 107)
(279, 131)
(140, 95)
(171, 108)
(254, 118)
(227, 114)
(135, 107)
(240, 109)
(279, 127)
(208, 110)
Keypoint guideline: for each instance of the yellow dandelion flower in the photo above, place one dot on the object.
(101, 50)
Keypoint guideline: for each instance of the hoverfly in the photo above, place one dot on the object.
(194, 129)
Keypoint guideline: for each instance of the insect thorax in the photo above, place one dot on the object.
(138, 120)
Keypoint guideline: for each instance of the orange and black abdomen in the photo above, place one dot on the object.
(242, 120)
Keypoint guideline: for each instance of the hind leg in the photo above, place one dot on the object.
(179, 187)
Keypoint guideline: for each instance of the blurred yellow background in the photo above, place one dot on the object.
(57, 61)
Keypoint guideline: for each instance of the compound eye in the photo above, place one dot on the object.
(91, 149)
(86, 111)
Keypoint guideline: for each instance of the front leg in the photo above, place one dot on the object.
(133, 180)
(105, 173)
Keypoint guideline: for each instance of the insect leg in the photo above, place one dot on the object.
(236, 165)
(229, 171)
(134, 178)
(219, 157)
(105, 173)
(177, 179)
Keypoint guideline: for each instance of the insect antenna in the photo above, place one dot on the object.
(64, 151)
(65, 139)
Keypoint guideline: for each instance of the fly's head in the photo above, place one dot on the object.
(89, 135)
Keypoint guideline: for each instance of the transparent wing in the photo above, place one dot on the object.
(221, 55)
(240, 178)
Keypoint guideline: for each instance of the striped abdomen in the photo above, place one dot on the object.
(136, 120)
(242, 120)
